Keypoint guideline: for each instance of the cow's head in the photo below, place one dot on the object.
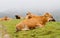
(49, 17)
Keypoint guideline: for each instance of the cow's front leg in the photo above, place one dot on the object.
(40, 25)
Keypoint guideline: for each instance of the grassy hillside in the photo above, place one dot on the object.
(51, 30)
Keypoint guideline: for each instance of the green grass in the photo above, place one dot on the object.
(51, 30)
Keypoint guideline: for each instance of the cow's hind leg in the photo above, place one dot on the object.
(39, 25)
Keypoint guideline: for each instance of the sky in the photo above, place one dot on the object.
(7, 7)
(29, 4)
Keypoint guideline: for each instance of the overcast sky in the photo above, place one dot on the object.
(29, 4)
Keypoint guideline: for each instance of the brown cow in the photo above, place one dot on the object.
(5, 18)
(30, 15)
(38, 21)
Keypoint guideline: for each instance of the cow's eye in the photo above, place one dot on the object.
(51, 17)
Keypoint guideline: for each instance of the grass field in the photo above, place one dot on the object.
(51, 30)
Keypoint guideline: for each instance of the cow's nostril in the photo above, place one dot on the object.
(52, 20)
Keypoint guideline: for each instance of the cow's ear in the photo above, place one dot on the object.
(46, 14)
(28, 13)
